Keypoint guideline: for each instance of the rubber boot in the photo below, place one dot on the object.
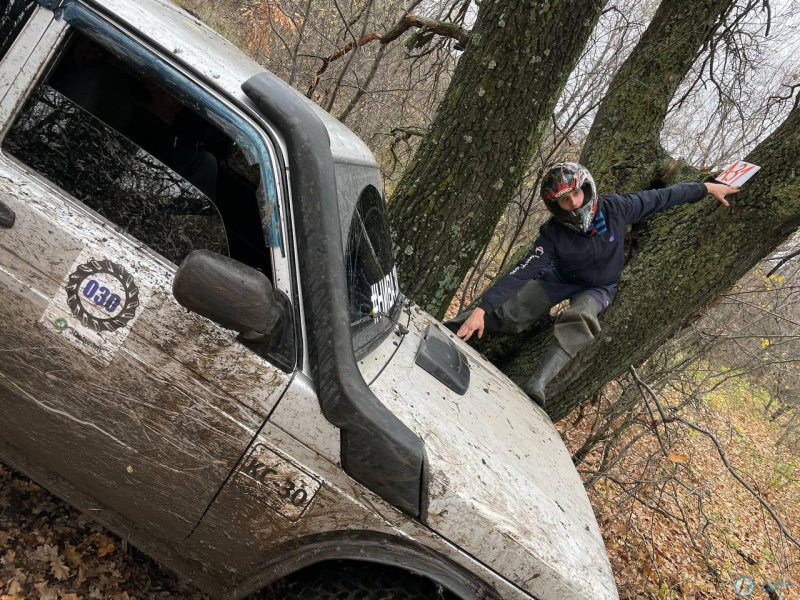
(555, 359)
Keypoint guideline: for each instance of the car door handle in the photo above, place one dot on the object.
(7, 216)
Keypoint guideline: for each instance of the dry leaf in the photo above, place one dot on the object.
(72, 557)
(25, 485)
(107, 549)
(60, 571)
(8, 558)
(45, 553)
(678, 458)
(45, 591)
(15, 587)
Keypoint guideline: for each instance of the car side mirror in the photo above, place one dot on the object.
(228, 292)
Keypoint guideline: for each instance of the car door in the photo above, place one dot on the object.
(104, 379)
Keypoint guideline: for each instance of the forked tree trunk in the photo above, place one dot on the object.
(684, 258)
(482, 138)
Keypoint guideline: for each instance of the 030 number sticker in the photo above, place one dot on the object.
(102, 294)
(278, 483)
(99, 301)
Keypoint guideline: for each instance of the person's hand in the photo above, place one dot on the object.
(720, 190)
(472, 324)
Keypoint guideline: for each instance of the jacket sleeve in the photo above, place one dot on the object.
(538, 259)
(638, 205)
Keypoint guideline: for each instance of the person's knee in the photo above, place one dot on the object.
(582, 308)
(524, 308)
(583, 305)
(577, 326)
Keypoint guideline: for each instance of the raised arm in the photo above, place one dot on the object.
(638, 205)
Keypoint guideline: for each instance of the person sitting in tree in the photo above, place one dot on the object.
(577, 256)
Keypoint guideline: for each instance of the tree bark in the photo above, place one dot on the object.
(623, 151)
(482, 138)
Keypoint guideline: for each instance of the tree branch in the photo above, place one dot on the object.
(449, 30)
(731, 469)
(783, 260)
(326, 61)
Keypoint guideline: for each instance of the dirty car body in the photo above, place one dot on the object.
(352, 426)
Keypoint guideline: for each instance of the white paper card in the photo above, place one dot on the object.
(738, 173)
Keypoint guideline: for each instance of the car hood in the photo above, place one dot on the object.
(502, 485)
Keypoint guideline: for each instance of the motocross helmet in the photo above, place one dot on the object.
(559, 180)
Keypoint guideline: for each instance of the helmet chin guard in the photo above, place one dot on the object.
(561, 179)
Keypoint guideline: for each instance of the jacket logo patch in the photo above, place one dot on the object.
(611, 239)
(537, 253)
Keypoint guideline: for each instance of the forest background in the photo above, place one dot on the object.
(684, 419)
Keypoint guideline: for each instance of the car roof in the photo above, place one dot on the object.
(211, 56)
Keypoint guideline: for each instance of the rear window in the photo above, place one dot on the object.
(13, 16)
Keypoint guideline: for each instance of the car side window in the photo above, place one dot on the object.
(157, 160)
(140, 157)
(13, 16)
(115, 177)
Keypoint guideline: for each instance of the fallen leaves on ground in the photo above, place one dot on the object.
(50, 551)
(730, 535)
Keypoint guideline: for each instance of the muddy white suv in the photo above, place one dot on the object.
(204, 345)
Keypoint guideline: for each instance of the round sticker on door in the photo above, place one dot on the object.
(102, 295)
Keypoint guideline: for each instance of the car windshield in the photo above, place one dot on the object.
(371, 273)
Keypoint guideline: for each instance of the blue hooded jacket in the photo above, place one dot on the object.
(595, 258)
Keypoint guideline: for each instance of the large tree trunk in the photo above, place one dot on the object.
(623, 150)
(482, 138)
(684, 258)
